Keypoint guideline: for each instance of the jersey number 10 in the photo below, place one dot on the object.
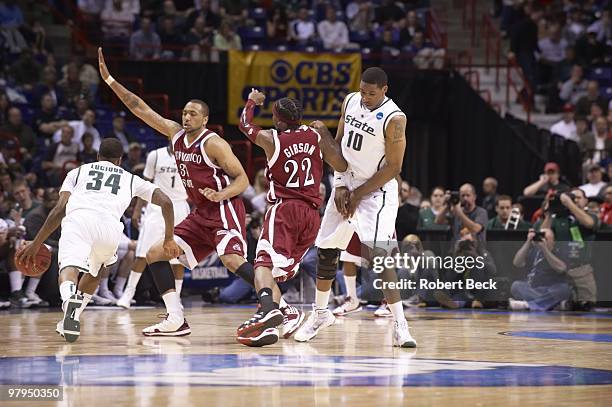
(355, 139)
(112, 182)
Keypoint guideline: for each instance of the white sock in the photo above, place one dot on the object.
(321, 299)
(32, 285)
(282, 303)
(119, 284)
(86, 299)
(67, 288)
(397, 310)
(351, 287)
(104, 285)
(173, 304)
(133, 280)
(179, 285)
(16, 280)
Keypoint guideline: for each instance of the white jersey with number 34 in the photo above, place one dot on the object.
(363, 141)
(102, 189)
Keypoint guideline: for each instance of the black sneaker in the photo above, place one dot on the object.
(18, 299)
(72, 326)
(261, 329)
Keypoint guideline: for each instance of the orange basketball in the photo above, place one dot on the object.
(42, 261)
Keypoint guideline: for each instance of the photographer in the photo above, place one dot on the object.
(573, 226)
(547, 283)
(460, 212)
(413, 247)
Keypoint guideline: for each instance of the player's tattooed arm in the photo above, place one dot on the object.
(136, 105)
(395, 145)
(221, 154)
(27, 254)
(332, 153)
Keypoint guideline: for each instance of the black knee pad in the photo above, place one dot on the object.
(162, 274)
(328, 263)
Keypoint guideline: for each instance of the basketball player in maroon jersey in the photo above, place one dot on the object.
(213, 178)
(295, 154)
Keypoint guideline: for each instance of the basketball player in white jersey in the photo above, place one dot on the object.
(92, 200)
(372, 134)
(160, 168)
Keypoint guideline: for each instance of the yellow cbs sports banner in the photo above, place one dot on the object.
(319, 81)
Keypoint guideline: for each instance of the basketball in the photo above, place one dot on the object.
(40, 265)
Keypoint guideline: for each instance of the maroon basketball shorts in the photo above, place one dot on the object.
(352, 254)
(290, 228)
(223, 230)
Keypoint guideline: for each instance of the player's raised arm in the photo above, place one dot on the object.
(53, 221)
(136, 105)
(332, 154)
(395, 145)
(260, 137)
(221, 153)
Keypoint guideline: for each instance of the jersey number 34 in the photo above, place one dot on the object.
(112, 182)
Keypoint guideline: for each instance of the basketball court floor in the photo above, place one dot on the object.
(468, 358)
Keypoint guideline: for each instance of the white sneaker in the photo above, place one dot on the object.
(292, 318)
(108, 295)
(171, 326)
(318, 319)
(71, 326)
(98, 300)
(59, 328)
(518, 305)
(383, 311)
(35, 300)
(401, 335)
(126, 299)
(349, 306)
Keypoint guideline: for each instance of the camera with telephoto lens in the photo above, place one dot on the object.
(454, 197)
(538, 236)
(555, 207)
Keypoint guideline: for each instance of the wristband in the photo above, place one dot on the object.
(340, 179)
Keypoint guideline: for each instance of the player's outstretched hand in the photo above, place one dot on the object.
(27, 253)
(171, 249)
(212, 195)
(341, 199)
(102, 65)
(257, 97)
(317, 125)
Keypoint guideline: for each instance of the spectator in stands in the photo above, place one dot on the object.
(22, 194)
(198, 41)
(595, 184)
(547, 283)
(606, 207)
(550, 180)
(178, 19)
(503, 209)
(48, 85)
(423, 54)
(119, 132)
(226, 38)
(302, 29)
(575, 87)
(11, 21)
(72, 87)
(134, 162)
(25, 71)
(489, 189)
(598, 146)
(574, 27)
(277, 26)
(93, 7)
(427, 216)
(237, 11)
(117, 19)
(388, 11)
(602, 27)
(58, 155)
(407, 214)
(566, 126)
(360, 14)
(464, 214)
(524, 44)
(410, 26)
(589, 51)
(583, 106)
(212, 20)
(552, 51)
(88, 154)
(88, 75)
(145, 43)
(171, 39)
(333, 32)
(47, 121)
(258, 202)
(22, 132)
(80, 127)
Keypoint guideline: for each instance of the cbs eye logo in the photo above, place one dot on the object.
(281, 71)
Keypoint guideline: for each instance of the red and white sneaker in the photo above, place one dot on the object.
(260, 329)
(171, 326)
(383, 311)
(267, 337)
(292, 319)
(349, 306)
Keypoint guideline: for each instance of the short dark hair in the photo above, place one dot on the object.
(504, 198)
(202, 104)
(111, 148)
(375, 76)
(290, 109)
(89, 135)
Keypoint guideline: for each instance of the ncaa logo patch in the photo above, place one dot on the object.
(379, 115)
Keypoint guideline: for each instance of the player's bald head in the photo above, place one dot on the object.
(111, 150)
